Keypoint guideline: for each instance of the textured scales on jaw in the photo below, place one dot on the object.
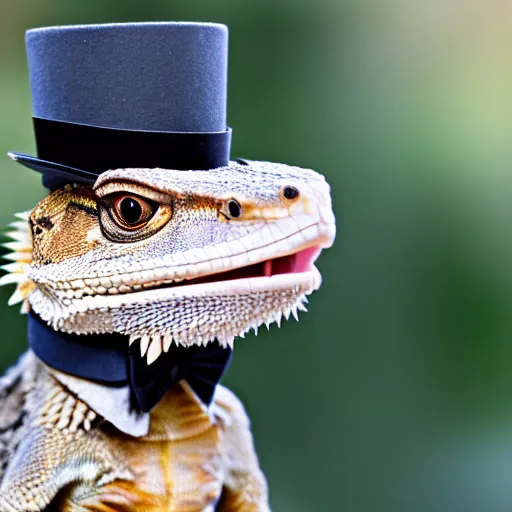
(153, 345)
(163, 282)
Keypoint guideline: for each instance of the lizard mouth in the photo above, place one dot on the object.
(211, 305)
(296, 263)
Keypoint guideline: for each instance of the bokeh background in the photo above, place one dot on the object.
(395, 391)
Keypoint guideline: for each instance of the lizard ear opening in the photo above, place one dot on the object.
(127, 217)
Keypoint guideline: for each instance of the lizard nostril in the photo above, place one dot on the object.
(290, 193)
(234, 208)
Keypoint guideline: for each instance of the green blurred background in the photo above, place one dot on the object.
(395, 391)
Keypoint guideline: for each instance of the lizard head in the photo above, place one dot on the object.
(169, 256)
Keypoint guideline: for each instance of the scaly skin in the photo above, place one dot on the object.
(75, 461)
(160, 280)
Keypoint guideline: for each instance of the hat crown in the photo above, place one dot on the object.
(165, 76)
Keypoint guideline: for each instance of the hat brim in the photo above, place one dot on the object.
(54, 175)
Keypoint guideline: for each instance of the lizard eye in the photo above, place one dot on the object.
(127, 217)
(132, 211)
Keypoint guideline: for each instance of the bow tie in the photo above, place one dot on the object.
(108, 359)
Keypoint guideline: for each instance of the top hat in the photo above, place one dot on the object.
(127, 95)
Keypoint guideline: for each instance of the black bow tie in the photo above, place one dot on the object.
(106, 359)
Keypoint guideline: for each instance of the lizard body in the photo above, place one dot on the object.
(183, 258)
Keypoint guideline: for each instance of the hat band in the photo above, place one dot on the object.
(97, 149)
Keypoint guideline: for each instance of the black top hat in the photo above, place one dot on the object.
(127, 95)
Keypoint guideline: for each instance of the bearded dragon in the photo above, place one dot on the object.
(167, 258)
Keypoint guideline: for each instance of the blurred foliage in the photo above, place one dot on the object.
(395, 391)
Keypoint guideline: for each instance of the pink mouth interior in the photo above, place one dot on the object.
(301, 261)
(296, 263)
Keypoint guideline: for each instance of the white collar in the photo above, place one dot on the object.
(112, 403)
